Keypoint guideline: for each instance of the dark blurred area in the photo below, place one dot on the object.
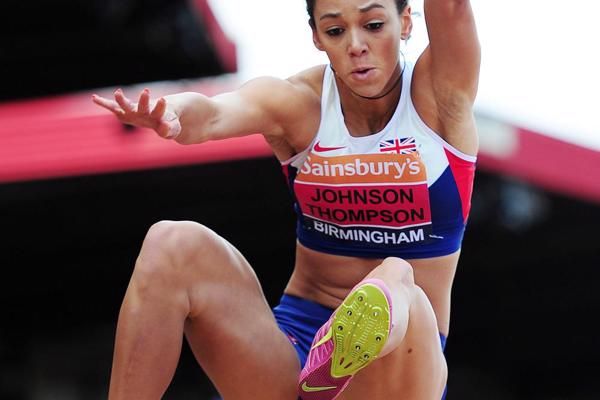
(53, 47)
(525, 297)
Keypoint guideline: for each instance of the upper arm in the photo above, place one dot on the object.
(453, 54)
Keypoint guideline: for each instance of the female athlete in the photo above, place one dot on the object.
(380, 155)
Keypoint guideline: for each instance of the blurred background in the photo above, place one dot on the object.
(78, 190)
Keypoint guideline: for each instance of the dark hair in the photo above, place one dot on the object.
(310, 7)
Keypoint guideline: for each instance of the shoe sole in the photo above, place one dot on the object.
(361, 327)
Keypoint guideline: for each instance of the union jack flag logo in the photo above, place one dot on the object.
(399, 146)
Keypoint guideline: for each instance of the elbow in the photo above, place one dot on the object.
(461, 9)
(458, 3)
(450, 8)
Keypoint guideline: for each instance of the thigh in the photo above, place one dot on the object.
(415, 370)
(231, 329)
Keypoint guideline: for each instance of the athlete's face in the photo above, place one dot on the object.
(362, 40)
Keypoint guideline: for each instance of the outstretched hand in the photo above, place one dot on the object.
(145, 113)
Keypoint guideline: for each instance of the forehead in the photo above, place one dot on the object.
(346, 6)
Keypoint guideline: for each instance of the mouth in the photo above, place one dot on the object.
(362, 73)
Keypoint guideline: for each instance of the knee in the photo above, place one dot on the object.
(180, 235)
(397, 269)
(167, 250)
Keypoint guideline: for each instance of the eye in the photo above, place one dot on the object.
(374, 26)
(334, 31)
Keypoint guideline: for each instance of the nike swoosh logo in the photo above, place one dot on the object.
(309, 389)
(318, 148)
(325, 338)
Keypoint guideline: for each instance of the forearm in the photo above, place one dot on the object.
(223, 116)
(189, 117)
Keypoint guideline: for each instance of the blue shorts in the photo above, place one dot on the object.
(300, 319)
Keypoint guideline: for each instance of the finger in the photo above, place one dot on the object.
(110, 105)
(159, 108)
(123, 101)
(144, 102)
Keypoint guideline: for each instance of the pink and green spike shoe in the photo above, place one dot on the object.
(352, 338)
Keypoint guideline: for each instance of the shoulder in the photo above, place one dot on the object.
(310, 80)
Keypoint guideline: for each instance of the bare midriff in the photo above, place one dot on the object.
(326, 279)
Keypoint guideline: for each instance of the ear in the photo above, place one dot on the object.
(407, 24)
(316, 40)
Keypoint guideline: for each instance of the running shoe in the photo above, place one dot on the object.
(351, 339)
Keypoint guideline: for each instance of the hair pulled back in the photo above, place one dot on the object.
(310, 7)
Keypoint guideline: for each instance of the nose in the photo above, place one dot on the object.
(357, 44)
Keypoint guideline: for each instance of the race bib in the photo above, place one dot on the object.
(378, 199)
